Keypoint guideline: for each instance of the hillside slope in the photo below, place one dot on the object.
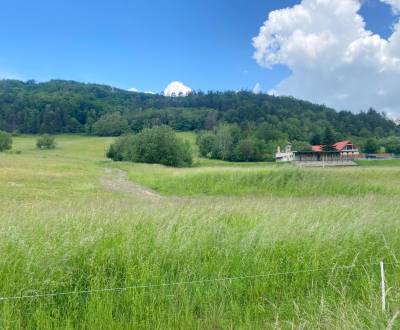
(61, 106)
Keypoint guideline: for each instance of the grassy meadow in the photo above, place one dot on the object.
(218, 246)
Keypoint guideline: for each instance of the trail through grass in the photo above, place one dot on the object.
(61, 230)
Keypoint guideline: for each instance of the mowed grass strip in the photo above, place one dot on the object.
(73, 239)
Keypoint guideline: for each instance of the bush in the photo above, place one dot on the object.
(5, 141)
(157, 145)
(207, 143)
(46, 142)
(112, 124)
(122, 148)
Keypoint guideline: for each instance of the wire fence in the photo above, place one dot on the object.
(181, 283)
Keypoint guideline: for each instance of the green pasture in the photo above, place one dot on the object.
(224, 246)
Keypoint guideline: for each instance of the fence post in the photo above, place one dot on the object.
(383, 290)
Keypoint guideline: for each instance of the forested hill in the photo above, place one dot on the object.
(71, 107)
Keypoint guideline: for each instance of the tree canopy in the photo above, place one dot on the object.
(60, 106)
(110, 124)
(230, 142)
(157, 145)
(329, 140)
(371, 146)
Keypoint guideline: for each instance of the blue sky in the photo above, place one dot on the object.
(206, 44)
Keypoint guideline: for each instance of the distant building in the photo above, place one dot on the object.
(345, 148)
(345, 152)
(285, 156)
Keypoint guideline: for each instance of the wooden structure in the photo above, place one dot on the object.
(346, 149)
(344, 155)
(317, 156)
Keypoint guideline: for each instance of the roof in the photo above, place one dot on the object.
(339, 146)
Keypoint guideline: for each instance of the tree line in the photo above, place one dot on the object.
(61, 106)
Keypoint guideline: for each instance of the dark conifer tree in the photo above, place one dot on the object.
(328, 140)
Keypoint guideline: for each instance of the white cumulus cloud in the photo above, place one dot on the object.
(333, 58)
(395, 4)
(257, 89)
(177, 88)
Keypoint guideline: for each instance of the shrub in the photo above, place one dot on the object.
(112, 124)
(157, 145)
(207, 144)
(122, 149)
(5, 141)
(46, 142)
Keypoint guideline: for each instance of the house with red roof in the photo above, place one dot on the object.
(346, 148)
(344, 153)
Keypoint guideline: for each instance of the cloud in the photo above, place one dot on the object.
(333, 58)
(257, 89)
(135, 90)
(395, 4)
(176, 88)
(273, 92)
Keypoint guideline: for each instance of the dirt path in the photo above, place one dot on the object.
(116, 180)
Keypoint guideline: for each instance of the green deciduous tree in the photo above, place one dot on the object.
(157, 145)
(232, 143)
(61, 106)
(207, 143)
(112, 124)
(371, 146)
(300, 146)
(391, 145)
(267, 132)
(249, 149)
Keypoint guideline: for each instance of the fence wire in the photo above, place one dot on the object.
(200, 281)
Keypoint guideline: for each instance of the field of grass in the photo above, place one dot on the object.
(380, 163)
(225, 246)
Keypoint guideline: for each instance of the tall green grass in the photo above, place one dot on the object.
(61, 231)
(268, 181)
(380, 163)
